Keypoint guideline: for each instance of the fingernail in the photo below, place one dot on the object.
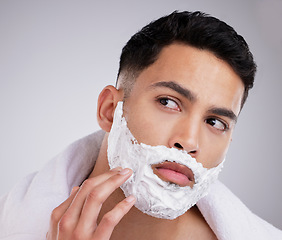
(124, 171)
(117, 169)
(130, 199)
(74, 189)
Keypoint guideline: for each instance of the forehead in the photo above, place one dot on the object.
(211, 79)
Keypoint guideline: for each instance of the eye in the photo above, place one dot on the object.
(169, 103)
(217, 124)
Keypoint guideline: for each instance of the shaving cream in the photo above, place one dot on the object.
(154, 196)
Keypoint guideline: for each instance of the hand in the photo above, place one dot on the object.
(76, 218)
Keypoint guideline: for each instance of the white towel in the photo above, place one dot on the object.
(230, 219)
(25, 210)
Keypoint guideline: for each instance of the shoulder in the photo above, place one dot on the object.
(225, 213)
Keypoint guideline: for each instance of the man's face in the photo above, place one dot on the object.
(188, 99)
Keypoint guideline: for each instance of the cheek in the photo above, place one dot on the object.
(149, 127)
(214, 149)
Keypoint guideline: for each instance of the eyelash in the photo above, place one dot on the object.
(225, 125)
(160, 99)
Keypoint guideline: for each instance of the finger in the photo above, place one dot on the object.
(71, 216)
(96, 198)
(112, 218)
(58, 212)
(74, 189)
(103, 177)
(61, 209)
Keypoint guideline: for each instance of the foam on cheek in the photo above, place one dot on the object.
(154, 196)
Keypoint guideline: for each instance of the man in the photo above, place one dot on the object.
(182, 83)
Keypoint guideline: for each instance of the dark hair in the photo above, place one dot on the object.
(196, 29)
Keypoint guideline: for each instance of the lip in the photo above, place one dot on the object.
(175, 173)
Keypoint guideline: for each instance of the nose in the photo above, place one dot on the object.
(186, 136)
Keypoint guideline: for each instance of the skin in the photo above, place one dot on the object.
(188, 99)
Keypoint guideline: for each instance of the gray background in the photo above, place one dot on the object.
(56, 56)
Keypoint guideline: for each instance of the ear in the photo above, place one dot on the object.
(107, 102)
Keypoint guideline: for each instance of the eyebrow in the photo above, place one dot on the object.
(192, 97)
(224, 112)
(177, 88)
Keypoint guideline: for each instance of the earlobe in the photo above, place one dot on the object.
(107, 103)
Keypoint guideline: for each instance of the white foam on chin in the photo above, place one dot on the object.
(155, 197)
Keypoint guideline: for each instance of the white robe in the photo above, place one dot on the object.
(25, 210)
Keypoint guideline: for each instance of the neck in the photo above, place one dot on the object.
(143, 226)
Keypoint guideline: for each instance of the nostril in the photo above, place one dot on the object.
(177, 145)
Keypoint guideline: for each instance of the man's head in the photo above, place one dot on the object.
(195, 29)
(184, 79)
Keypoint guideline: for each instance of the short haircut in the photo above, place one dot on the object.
(195, 29)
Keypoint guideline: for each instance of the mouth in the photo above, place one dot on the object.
(175, 173)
